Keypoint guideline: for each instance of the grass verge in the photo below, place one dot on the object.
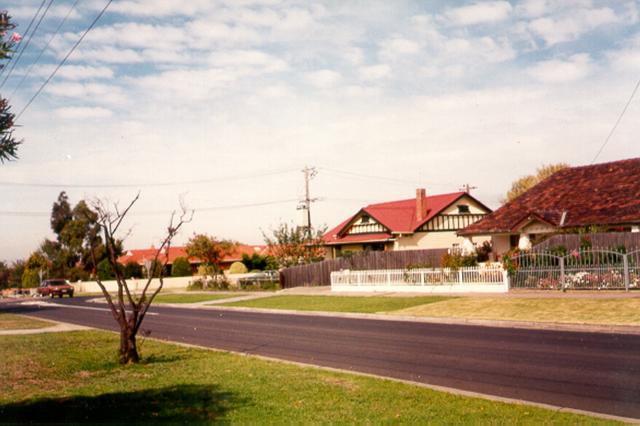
(193, 297)
(73, 378)
(19, 322)
(358, 304)
(561, 310)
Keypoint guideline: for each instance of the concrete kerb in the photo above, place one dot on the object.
(449, 390)
(525, 325)
(58, 327)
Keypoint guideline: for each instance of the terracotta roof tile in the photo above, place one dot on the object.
(600, 194)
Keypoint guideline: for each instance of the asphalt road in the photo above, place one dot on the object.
(589, 371)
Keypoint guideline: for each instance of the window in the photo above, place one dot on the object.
(364, 219)
(463, 208)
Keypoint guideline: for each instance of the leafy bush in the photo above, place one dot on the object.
(238, 268)
(133, 270)
(217, 283)
(30, 278)
(457, 260)
(259, 262)
(484, 251)
(181, 267)
(104, 270)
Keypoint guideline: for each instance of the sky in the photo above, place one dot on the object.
(222, 103)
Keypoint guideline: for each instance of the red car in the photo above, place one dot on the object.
(55, 287)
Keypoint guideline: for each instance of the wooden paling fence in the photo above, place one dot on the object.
(630, 240)
(319, 273)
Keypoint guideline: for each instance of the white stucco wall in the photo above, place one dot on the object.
(428, 240)
(135, 285)
(501, 244)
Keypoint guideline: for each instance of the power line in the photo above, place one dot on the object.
(55, 34)
(381, 178)
(29, 38)
(615, 126)
(73, 48)
(159, 212)
(144, 185)
(25, 33)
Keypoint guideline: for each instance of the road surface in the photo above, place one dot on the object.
(589, 371)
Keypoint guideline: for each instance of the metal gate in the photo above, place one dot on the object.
(590, 269)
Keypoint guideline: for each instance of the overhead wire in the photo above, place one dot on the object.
(64, 60)
(158, 212)
(26, 45)
(144, 185)
(55, 34)
(2, 71)
(615, 126)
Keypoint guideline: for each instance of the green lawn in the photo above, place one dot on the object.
(361, 304)
(73, 378)
(19, 322)
(596, 310)
(193, 298)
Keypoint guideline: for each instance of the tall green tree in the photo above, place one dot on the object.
(292, 245)
(209, 249)
(523, 184)
(8, 144)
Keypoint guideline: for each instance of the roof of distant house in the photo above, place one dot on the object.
(139, 256)
(600, 194)
(396, 216)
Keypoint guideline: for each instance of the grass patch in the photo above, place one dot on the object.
(359, 304)
(19, 322)
(74, 378)
(192, 297)
(562, 310)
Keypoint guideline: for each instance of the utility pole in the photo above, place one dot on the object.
(467, 188)
(309, 173)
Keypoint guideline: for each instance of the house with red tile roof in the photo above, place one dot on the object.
(604, 196)
(141, 256)
(422, 222)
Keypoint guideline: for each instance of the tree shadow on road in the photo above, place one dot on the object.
(186, 404)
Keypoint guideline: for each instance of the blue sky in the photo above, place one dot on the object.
(227, 101)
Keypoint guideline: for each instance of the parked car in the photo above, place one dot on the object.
(55, 287)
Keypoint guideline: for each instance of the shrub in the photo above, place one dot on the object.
(484, 251)
(133, 270)
(457, 260)
(180, 267)
(104, 270)
(30, 278)
(238, 268)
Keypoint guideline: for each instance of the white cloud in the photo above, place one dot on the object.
(76, 72)
(375, 72)
(558, 71)
(323, 79)
(77, 113)
(248, 58)
(95, 92)
(479, 13)
(398, 46)
(571, 26)
(184, 85)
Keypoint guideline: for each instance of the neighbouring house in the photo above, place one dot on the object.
(143, 256)
(423, 222)
(601, 197)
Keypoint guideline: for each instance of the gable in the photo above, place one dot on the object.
(461, 213)
(364, 224)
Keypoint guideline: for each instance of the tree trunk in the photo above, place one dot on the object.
(128, 346)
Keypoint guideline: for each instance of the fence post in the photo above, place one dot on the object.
(505, 280)
(460, 276)
(562, 273)
(421, 277)
(625, 263)
(388, 277)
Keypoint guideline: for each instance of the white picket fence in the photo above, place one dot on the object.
(478, 279)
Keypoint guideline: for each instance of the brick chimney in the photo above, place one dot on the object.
(421, 204)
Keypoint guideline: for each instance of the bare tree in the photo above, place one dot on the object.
(129, 309)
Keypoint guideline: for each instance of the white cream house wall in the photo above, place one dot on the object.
(442, 239)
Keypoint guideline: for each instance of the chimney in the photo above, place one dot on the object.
(421, 204)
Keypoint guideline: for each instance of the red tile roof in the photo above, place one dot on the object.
(396, 216)
(601, 194)
(140, 255)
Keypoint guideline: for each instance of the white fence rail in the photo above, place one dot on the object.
(487, 279)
